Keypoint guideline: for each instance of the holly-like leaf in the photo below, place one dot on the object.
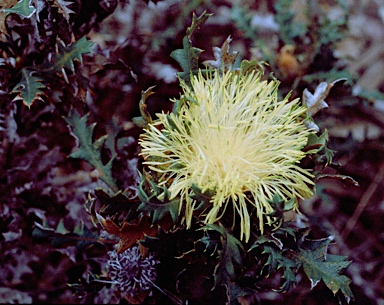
(203, 197)
(187, 58)
(155, 200)
(87, 149)
(318, 265)
(274, 249)
(280, 206)
(22, 8)
(319, 144)
(128, 233)
(189, 55)
(60, 237)
(29, 88)
(230, 256)
(66, 55)
(116, 203)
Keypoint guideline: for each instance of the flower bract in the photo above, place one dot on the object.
(231, 136)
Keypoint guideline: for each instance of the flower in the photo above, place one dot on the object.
(234, 137)
(130, 271)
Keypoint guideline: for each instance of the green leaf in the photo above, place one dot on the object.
(230, 256)
(196, 22)
(319, 143)
(157, 203)
(87, 149)
(280, 206)
(23, 8)
(66, 55)
(29, 88)
(116, 203)
(60, 237)
(275, 251)
(318, 265)
(188, 56)
(203, 197)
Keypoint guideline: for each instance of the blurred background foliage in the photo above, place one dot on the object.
(303, 42)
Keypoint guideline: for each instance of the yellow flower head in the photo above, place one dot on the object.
(234, 138)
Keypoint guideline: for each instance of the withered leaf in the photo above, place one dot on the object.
(129, 234)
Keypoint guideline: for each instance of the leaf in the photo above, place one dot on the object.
(29, 88)
(203, 197)
(318, 265)
(338, 177)
(196, 22)
(63, 8)
(230, 255)
(129, 234)
(280, 206)
(60, 237)
(22, 8)
(115, 203)
(223, 59)
(319, 144)
(247, 66)
(66, 55)
(315, 102)
(157, 203)
(88, 150)
(275, 251)
(188, 56)
(145, 118)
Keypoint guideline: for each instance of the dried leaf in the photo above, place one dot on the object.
(63, 8)
(315, 102)
(223, 59)
(129, 234)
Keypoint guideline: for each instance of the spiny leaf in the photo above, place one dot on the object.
(155, 200)
(188, 56)
(274, 249)
(318, 265)
(247, 66)
(29, 88)
(116, 203)
(230, 255)
(196, 22)
(23, 8)
(66, 55)
(319, 143)
(88, 150)
(81, 237)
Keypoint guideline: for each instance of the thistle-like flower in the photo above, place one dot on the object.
(233, 137)
(130, 272)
